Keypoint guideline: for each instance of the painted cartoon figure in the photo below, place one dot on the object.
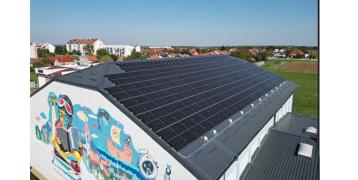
(97, 140)
(67, 142)
(168, 172)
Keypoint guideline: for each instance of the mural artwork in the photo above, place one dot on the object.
(79, 135)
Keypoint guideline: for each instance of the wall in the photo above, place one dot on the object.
(286, 107)
(235, 170)
(102, 142)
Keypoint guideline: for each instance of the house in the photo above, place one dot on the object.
(200, 117)
(45, 74)
(86, 60)
(62, 60)
(50, 47)
(279, 53)
(296, 53)
(84, 46)
(121, 50)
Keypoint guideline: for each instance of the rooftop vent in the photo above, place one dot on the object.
(311, 130)
(230, 120)
(305, 150)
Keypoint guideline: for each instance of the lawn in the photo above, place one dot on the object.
(306, 97)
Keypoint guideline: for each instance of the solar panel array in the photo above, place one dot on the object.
(182, 99)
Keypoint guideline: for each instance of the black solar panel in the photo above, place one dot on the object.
(182, 99)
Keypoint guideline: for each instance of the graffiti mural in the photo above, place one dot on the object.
(94, 139)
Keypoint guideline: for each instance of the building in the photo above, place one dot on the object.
(62, 60)
(46, 74)
(33, 51)
(50, 47)
(279, 53)
(296, 53)
(121, 50)
(199, 117)
(84, 46)
(290, 151)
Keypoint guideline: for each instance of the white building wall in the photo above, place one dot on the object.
(41, 80)
(121, 50)
(81, 47)
(33, 51)
(235, 170)
(41, 154)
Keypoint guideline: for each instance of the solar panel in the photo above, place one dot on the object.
(182, 99)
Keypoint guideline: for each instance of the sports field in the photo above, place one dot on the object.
(304, 74)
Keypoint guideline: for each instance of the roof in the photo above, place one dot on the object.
(82, 41)
(92, 58)
(179, 102)
(277, 158)
(62, 59)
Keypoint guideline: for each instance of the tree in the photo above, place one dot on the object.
(45, 61)
(243, 54)
(138, 55)
(101, 53)
(75, 52)
(60, 50)
(114, 57)
(89, 49)
(262, 56)
(43, 52)
(222, 48)
(106, 58)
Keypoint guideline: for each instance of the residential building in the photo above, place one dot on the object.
(62, 60)
(121, 50)
(279, 53)
(296, 53)
(45, 74)
(81, 45)
(200, 117)
(50, 47)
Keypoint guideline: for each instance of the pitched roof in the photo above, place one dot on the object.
(277, 158)
(62, 59)
(179, 101)
(82, 41)
(92, 58)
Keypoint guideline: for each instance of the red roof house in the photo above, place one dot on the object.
(82, 41)
(62, 59)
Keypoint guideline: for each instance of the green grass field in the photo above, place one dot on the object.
(306, 97)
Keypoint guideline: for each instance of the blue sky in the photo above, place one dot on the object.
(180, 22)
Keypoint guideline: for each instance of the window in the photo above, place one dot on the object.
(305, 150)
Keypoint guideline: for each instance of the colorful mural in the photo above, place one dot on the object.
(79, 135)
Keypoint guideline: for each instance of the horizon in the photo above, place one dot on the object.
(159, 23)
